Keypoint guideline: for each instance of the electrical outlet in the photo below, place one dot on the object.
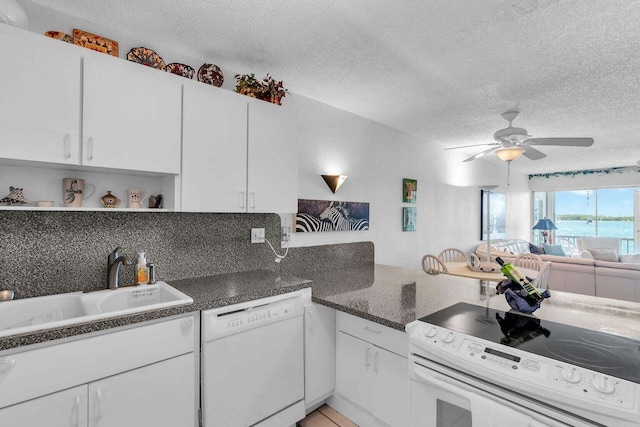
(286, 234)
(257, 235)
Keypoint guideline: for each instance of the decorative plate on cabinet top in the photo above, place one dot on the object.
(147, 57)
(95, 42)
(210, 74)
(180, 69)
(59, 35)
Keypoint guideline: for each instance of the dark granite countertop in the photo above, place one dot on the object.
(395, 296)
(391, 296)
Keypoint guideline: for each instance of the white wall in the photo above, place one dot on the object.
(376, 158)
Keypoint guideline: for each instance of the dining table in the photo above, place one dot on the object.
(461, 268)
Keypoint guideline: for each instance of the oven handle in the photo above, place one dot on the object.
(428, 377)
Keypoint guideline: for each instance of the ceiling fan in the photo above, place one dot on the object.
(513, 142)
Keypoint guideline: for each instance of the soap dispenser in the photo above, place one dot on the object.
(142, 276)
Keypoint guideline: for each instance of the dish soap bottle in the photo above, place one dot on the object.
(142, 277)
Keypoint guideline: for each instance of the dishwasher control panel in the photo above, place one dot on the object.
(240, 317)
(255, 316)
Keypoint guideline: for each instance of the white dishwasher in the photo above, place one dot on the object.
(253, 363)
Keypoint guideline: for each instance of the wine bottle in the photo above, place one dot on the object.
(514, 274)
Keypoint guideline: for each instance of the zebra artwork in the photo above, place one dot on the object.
(307, 222)
(326, 215)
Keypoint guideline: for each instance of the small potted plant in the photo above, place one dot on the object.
(274, 91)
(249, 85)
(268, 89)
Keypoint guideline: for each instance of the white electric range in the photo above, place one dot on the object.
(473, 365)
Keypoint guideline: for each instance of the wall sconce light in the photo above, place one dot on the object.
(334, 181)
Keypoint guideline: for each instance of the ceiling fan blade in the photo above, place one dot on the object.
(483, 153)
(473, 145)
(533, 154)
(573, 142)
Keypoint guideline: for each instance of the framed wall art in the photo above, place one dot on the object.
(409, 219)
(330, 215)
(409, 190)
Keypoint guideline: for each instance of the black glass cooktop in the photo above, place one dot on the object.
(598, 351)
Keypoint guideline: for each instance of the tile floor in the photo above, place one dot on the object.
(326, 416)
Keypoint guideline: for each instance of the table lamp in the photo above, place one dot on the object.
(545, 225)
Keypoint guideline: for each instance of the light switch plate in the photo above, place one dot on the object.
(257, 235)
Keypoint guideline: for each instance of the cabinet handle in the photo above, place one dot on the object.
(67, 146)
(366, 358)
(98, 404)
(375, 362)
(242, 200)
(90, 148)
(76, 411)
(6, 365)
(310, 323)
(253, 198)
(375, 331)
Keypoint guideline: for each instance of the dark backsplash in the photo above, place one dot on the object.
(50, 252)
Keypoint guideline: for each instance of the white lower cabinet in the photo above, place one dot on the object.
(140, 376)
(161, 394)
(67, 408)
(319, 353)
(372, 384)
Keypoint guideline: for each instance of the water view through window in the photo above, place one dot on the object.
(605, 212)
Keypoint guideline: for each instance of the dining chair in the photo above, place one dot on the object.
(542, 279)
(529, 261)
(453, 255)
(433, 265)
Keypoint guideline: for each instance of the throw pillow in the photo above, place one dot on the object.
(553, 250)
(604, 254)
(535, 249)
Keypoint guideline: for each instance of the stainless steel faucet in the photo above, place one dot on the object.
(115, 260)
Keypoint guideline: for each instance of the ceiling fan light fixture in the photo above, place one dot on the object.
(508, 154)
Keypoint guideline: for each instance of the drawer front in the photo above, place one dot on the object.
(33, 373)
(375, 333)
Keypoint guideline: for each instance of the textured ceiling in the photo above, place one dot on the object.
(440, 69)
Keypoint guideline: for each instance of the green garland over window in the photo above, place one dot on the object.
(623, 169)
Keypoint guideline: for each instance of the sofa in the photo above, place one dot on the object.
(579, 273)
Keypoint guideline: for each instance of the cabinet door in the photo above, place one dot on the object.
(214, 150)
(67, 408)
(354, 364)
(391, 391)
(131, 116)
(39, 101)
(273, 171)
(319, 353)
(158, 395)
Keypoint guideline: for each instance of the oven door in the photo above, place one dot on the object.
(446, 398)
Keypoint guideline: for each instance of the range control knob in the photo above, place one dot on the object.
(571, 375)
(448, 337)
(603, 384)
(431, 332)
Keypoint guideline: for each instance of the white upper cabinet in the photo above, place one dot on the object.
(272, 161)
(214, 151)
(131, 116)
(40, 99)
(107, 113)
(226, 169)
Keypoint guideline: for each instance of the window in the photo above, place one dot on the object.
(604, 212)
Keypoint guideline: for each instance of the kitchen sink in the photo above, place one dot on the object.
(52, 311)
